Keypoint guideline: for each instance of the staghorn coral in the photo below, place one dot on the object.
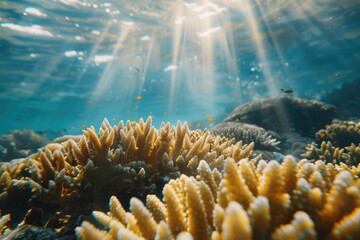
(249, 200)
(352, 157)
(121, 160)
(340, 133)
(330, 154)
(247, 133)
(327, 152)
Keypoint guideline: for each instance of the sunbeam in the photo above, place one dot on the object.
(112, 66)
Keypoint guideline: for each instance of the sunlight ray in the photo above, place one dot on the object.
(111, 67)
(177, 37)
(252, 23)
(94, 50)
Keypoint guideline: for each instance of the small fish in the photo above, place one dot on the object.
(133, 122)
(138, 97)
(287, 91)
(198, 125)
(210, 119)
(89, 101)
(114, 118)
(63, 129)
(128, 111)
(83, 125)
(73, 127)
(137, 69)
(164, 113)
(79, 114)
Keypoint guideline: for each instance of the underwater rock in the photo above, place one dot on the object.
(124, 160)
(248, 200)
(346, 99)
(247, 133)
(285, 114)
(340, 133)
(20, 144)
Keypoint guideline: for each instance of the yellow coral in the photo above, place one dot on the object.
(236, 223)
(301, 228)
(316, 202)
(125, 158)
(348, 227)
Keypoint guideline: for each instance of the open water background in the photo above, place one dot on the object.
(67, 64)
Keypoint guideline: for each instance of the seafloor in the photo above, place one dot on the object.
(279, 168)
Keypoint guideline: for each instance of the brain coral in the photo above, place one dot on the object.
(291, 200)
(130, 159)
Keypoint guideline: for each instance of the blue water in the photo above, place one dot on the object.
(70, 63)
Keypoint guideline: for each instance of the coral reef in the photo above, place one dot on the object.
(249, 200)
(340, 133)
(331, 154)
(247, 133)
(20, 143)
(124, 160)
(285, 114)
(327, 153)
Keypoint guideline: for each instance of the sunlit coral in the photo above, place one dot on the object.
(252, 201)
(122, 160)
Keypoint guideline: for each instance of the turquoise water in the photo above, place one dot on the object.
(67, 64)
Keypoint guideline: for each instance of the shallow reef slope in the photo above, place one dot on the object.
(132, 159)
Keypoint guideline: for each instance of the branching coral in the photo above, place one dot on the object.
(330, 154)
(249, 200)
(327, 152)
(340, 133)
(247, 133)
(119, 160)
